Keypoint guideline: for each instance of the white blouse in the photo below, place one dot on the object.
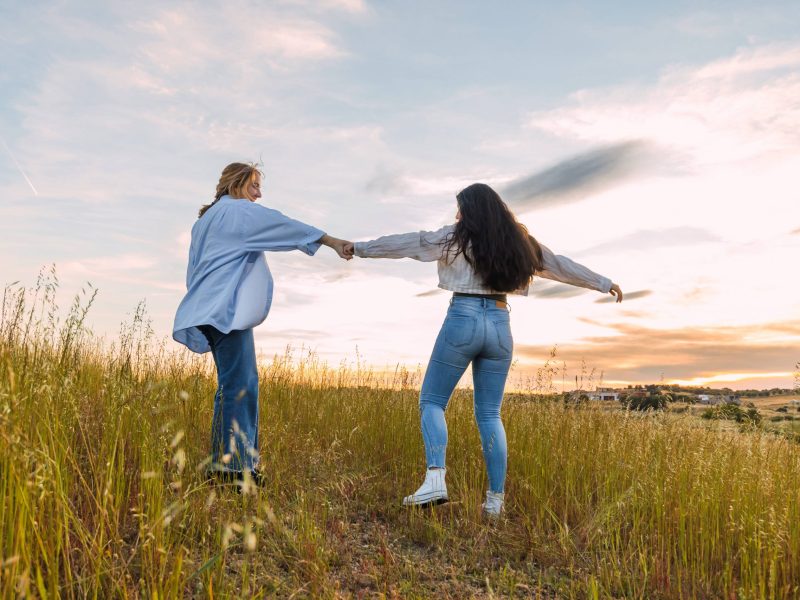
(456, 274)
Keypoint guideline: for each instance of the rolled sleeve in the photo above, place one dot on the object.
(266, 229)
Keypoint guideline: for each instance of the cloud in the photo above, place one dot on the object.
(385, 182)
(356, 7)
(734, 109)
(121, 262)
(731, 378)
(19, 168)
(648, 239)
(433, 292)
(580, 175)
(138, 269)
(568, 180)
(627, 297)
(557, 290)
(795, 231)
(199, 37)
(333, 277)
(292, 334)
(193, 82)
(642, 354)
(394, 185)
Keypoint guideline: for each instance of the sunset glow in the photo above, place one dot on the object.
(661, 153)
(726, 378)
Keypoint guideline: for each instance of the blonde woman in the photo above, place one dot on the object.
(229, 293)
(481, 258)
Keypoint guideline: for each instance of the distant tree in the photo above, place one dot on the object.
(645, 402)
(796, 389)
(753, 416)
(732, 412)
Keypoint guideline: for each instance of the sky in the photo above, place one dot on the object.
(655, 143)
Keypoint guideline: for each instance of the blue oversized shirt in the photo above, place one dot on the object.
(226, 257)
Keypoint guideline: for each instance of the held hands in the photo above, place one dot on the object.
(343, 248)
(615, 291)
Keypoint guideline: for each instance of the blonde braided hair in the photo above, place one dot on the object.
(234, 181)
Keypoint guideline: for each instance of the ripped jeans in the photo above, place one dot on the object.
(475, 330)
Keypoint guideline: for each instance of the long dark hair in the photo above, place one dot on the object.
(499, 249)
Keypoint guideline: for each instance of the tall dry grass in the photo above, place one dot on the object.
(101, 490)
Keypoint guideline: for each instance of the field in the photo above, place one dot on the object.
(777, 414)
(102, 494)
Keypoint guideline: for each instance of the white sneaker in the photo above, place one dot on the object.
(432, 491)
(493, 507)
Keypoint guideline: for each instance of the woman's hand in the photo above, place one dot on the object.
(615, 291)
(338, 246)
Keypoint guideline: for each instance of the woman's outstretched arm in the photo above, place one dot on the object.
(425, 246)
(563, 269)
(270, 230)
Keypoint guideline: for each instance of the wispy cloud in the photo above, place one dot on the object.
(555, 290)
(580, 175)
(357, 7)
(176, 39)
(627, 297)
(729, 378)
(396, 185)
(190, 81)
(736, 108)
(433, 292)
(292, 336)
(647, 239)
(19, 168)
(129, 268)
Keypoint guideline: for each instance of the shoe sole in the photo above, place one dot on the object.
(427, 503)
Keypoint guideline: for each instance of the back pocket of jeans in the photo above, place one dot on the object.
(459, 331)
(503, 332)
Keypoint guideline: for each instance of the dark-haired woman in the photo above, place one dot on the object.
(229, 292)
(485, 255)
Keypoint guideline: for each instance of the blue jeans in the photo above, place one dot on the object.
(477, 331)
(234, 428)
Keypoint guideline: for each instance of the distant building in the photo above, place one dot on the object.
(604, 394)
(718, 399)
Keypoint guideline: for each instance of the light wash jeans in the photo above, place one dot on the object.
(234, 428)
(477, 331)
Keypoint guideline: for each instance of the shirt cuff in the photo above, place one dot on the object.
(311, 243)
(358, 249)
